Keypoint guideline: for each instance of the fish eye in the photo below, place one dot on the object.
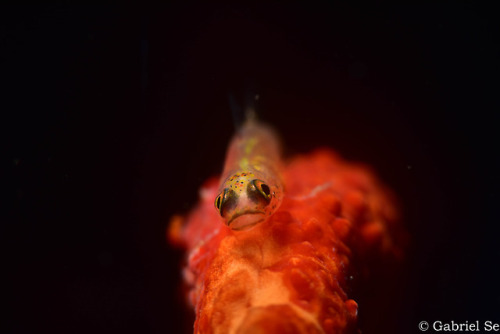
(218, 201)
(262, 188)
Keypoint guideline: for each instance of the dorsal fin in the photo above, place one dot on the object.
(248, 112)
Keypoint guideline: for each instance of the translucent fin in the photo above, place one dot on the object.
(236, 111)
(248, 113)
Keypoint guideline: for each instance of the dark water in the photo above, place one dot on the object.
(112, 116)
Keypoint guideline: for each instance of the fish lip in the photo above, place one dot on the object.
(252, 212)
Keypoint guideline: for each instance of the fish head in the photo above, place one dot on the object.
(246, 201)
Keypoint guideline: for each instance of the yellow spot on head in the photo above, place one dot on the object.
(244, 163)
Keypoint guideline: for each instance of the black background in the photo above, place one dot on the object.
(112, 117)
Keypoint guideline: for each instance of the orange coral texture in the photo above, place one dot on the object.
(288, 274)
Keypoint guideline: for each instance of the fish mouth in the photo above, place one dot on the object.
(246, 219)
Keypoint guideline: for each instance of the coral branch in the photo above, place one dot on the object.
(288, 274)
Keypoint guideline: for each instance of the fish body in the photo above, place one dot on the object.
(251, 187)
